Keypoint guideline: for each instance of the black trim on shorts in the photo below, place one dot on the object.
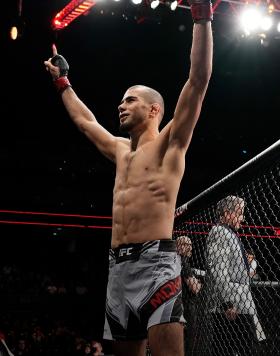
(134, 331)
(167, 246)
(132, 252)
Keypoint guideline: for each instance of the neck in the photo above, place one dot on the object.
(138, 139)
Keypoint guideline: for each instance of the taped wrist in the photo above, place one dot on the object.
(61, 84)
(201, 11)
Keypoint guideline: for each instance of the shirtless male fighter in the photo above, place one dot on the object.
(144, 286)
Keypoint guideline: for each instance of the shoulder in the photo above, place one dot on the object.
(123, 144)
(123, 141)
(219, 230)
(254, 264)
(122, 148)
(164, 134)
(222, 236)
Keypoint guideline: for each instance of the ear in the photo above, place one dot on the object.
(226, 215)
(155, 109)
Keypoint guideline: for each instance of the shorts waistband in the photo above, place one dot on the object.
(133, 251)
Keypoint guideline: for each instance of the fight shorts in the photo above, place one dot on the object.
(144, 289)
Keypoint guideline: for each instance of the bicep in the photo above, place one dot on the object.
(186, 114)
(105, 142)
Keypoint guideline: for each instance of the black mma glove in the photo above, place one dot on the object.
(60, 62)
(62, 82)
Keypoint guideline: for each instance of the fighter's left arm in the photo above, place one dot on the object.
(189, 104)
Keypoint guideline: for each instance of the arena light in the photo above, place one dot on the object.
(154, 4)
(14, 33)
(266, 23)
(270, 8)
(17, 25)
(278, 27)
(173, 5)
(250, 20)
(70, 12)
(136, 2)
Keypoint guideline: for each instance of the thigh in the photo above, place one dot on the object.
(130, 348)
(166, 339)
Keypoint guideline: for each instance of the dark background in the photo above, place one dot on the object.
(47, 165)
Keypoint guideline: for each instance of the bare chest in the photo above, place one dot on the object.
(135, 166)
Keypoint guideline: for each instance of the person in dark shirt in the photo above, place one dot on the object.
(191, 286)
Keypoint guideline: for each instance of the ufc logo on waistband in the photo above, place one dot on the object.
(125, 251)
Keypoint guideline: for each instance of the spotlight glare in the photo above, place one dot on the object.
(173, 5)
(266, 23)
(136, 2)
(14, 33)
(154, 4)
(278, 27)
(270, 8)
(250, 20)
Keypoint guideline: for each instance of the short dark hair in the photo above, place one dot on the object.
(250, 252)
(152, 96)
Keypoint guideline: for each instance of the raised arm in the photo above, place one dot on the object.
(190, 101)
(82, 117)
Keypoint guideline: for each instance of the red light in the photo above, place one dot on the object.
(20, 212)
(70, 12)
(34, 223)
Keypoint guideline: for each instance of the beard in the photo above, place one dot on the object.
(125, 127)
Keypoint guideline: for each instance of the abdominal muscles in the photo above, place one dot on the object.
(143, 210)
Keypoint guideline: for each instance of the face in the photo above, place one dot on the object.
(133, 111)
(184, 246)
(236, 217)
(21, 344)
(250, 257)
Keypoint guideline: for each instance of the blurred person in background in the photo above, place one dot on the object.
(191, 286)
(253, 265)
(235, 328)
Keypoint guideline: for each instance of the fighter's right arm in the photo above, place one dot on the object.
(80, 114)
(86, 122)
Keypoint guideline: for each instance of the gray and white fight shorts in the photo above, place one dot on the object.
(144, 289)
